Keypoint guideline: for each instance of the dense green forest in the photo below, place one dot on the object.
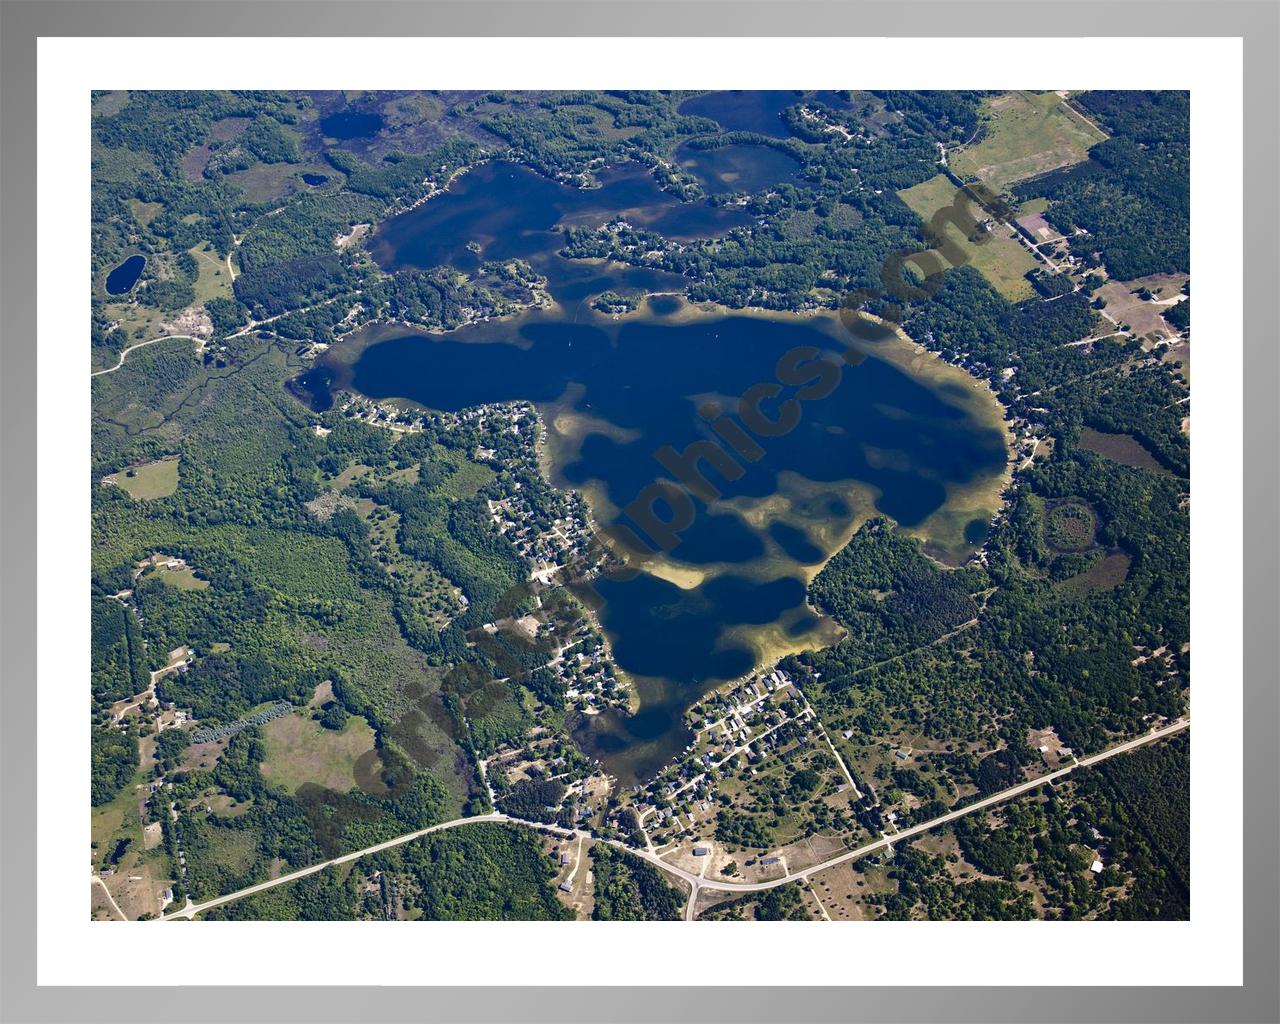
(473, 873)
(889, 596)
(628, 889)
(783, 903)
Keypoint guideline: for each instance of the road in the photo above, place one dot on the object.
(142, 344)
(191, 909)
(110, 899)
(696, 882)
(252, 325)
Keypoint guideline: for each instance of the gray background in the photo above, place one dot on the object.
(1258, 22)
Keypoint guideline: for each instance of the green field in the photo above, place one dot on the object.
(301, 750)
(1000, 259)
(214, 280)
(1027, 134)
(148, 481)
(183, 579)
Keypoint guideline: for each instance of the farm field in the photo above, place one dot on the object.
(999, 258)
(1026, 134)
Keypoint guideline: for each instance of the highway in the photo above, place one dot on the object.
(695, 882)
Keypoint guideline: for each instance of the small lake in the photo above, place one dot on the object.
(510, 211)
(314, 179)
(742, 111)
(351, 124)
(737, 168)
(125, 276)
(899, 432)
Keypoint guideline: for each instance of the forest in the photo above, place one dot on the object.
(628, 889)
(1132, 195)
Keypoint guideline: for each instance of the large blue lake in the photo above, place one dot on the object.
(883, 429)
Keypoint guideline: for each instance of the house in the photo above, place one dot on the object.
(769, 860)
(565, 887)
(1096, 867)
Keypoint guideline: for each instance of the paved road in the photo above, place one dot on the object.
(191, 909)
(694, 881)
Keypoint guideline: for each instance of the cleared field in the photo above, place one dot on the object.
(214, 280)
(1027, 134)
(1105, 574)
(183, 579)
(998, 257)
(138, 873)
(349, 476)
(301, 750)
(144, 213)
(469, 478)
(1144, 317)
(148, 481)
(1122, 448)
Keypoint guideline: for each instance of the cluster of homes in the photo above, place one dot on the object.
(741, 720)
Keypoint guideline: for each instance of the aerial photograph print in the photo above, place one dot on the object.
(640, 506)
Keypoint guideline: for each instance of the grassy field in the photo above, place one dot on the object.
(1122, 448)
(144, 212)
(1027, 134)
(300, 750)
(183, 579)
(349, 476)
(1105, 574)
(214, 281)
(1070, 526)
(1000, 259)
(148, 481)
(469, 478)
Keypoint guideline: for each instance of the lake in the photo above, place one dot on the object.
(738, 168)
(882, 428)
(510, 211)
(125, 276)
(351, 124)
(745, 111)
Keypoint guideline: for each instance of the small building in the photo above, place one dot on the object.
(565, 887)
(769, 860)
(701, 851)
(1096, 867)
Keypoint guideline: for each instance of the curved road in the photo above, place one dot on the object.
(142, 344)
(696, 882)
